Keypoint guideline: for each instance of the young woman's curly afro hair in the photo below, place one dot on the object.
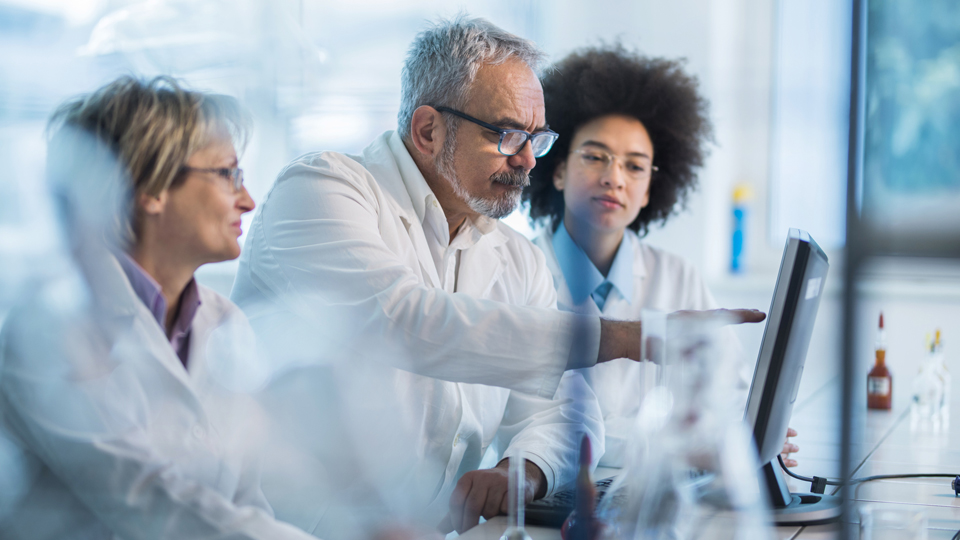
(601, 81)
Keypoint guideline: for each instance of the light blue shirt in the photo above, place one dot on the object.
(582, 276)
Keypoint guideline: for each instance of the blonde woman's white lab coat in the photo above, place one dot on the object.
(337, 265)
(661, 281)
(115, 438)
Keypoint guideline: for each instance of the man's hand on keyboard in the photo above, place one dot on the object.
(484, 493)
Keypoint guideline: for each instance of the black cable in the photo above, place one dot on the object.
(803, 478)
(895, 476)
(956, 536)
(866, 478)
(859, 481)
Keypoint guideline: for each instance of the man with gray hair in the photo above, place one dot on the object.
(397, 256)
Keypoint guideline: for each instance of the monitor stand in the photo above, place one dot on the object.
(797, 508)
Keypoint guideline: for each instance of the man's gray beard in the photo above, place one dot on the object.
(493, 208)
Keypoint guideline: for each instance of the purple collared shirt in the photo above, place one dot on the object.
(148, 291)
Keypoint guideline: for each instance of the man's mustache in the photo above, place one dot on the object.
(513, 178)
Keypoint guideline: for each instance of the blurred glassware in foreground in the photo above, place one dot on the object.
(516, 498)
(50, 242)
(694, 465)
(31, 246)
(582, 523)
(892, 523)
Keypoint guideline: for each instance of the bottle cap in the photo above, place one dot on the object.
(742, 193)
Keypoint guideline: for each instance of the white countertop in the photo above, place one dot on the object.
(889, 442)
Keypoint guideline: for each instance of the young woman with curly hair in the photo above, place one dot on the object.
(633, 135)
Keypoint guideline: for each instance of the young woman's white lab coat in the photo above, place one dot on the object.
(661, 281)
(116, 439)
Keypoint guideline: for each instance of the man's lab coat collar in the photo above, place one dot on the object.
(420, 191)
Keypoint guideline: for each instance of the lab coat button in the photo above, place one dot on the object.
(198, 432)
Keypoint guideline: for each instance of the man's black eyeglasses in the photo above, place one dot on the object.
(512, 140)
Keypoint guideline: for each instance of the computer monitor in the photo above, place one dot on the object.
(776, 379)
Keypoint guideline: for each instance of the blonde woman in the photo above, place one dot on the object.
(121, 399)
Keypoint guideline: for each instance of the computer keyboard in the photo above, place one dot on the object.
(552, 511)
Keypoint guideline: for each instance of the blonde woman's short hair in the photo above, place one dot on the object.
(152, 127)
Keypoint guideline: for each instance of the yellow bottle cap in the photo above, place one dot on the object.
(742, 193)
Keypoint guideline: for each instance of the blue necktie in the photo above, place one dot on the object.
(599, 294)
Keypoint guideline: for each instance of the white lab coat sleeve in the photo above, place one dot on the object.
(77, 417)
(324, 242)
(550, 430)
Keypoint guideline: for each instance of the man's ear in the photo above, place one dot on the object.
(427, 131)
(559, 175)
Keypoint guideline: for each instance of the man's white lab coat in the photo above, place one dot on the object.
(338, 249)
(662, 281)
(116, 439)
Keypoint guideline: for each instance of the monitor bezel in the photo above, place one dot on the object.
(765, 422)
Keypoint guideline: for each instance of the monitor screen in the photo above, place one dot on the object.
(790, 320)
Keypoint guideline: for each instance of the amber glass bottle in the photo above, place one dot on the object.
(879, 380)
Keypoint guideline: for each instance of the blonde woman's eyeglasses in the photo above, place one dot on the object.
(234, 175)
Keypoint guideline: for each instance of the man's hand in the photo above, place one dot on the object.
(401, 531)
(484, 493)
(789, 448)
(737, 316)
(621, 339)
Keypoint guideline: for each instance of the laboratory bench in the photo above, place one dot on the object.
(885, 442)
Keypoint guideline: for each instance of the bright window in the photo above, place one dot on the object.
(810, 120)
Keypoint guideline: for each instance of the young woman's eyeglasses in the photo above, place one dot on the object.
(599, 161)
(232, 174)
(512, 140)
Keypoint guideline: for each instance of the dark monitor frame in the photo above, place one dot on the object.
(776, 379)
